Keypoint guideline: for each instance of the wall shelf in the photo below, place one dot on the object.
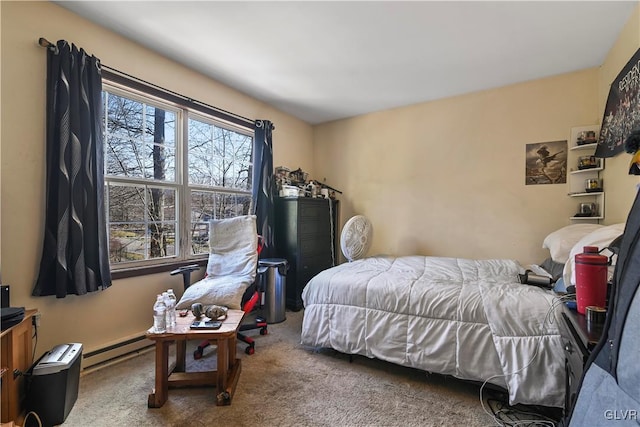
(585, 194)
(577, 177)
(586, 171)
(575, 145)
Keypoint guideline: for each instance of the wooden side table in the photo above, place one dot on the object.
(16, 358)
(225, 377)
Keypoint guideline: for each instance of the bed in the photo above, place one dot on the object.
(471, 319)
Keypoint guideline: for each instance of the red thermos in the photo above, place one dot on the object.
(591, 279)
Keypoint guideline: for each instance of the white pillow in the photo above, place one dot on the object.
(225, 291)
(561, 241)
(601, 238)
(233, 247)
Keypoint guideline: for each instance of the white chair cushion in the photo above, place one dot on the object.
(225, 291)
(233, 261)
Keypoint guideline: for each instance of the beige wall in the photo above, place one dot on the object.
(447, 177)
(124, 309)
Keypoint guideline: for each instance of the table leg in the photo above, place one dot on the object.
(232, 351)
(159, 395)
(181, 351)
(223, 397)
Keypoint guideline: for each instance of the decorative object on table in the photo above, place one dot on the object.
(632, 146)
(621, 112)
(216, 312)
(197, 309)
(546, 163)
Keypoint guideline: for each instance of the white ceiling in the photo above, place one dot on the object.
(327, 60)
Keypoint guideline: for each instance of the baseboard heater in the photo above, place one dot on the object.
(115, 352)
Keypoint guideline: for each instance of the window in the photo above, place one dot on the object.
(168, 171)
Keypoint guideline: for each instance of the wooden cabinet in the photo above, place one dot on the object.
(16, 357)
(305, 235)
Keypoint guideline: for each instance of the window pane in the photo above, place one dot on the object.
(207, 205)
(231, 205)
(162, 204)
(140, 140)
(142, 222)
(162, 239)
(143, 144)
(127, 242)
(200, 153)
(219, 156)
(126, 203)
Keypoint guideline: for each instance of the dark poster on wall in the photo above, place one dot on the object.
(622, 112)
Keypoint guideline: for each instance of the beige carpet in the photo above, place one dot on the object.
(282, 384)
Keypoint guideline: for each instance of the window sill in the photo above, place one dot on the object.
(153, 269)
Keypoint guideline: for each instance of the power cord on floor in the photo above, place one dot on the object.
(510, 416)
(550, 319)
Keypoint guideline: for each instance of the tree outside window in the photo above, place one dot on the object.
(147, 189)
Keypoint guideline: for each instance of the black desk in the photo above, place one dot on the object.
(581, 339)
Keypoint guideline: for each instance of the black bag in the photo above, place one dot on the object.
(11, 316)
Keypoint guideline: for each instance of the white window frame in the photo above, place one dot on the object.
(182, 187)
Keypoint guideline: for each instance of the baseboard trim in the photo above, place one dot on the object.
(115, 352)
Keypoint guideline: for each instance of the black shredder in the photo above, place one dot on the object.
(52, 383)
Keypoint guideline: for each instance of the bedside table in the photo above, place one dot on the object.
(580, 341)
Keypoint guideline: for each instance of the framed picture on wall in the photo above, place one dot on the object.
(546, 163)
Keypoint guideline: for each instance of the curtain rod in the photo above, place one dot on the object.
(47, 44)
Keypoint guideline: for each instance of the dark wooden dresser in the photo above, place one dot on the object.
(305, 236)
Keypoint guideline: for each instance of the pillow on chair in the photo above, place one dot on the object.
(233, 261)
(233, 247)
(225, 291)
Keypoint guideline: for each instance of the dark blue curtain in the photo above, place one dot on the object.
(75, 258)
(262, 193)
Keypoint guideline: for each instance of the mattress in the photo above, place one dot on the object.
(471, 319)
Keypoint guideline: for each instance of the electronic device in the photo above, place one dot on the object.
(206, 324)
(529, 278)
(4, 296)
(52, 383)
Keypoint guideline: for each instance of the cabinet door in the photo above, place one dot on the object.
(16, 355)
